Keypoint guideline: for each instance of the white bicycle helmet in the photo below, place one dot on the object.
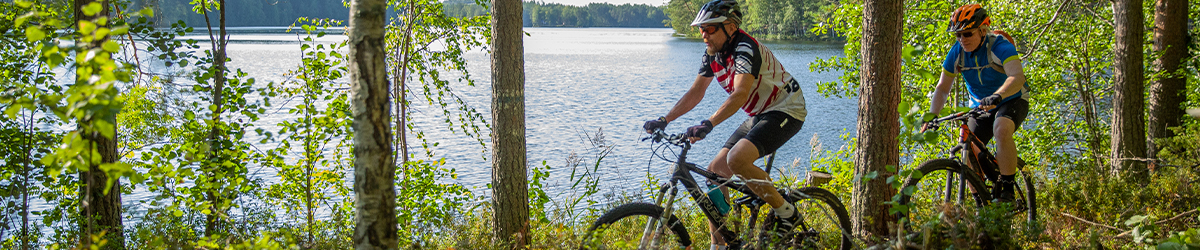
(717, 11)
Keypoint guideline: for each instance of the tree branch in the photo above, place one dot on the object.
(1045, 27)
(1089, 222)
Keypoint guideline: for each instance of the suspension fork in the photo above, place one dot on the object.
(655, 226)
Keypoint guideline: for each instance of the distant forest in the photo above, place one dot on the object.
(285, 12)
(249, 12)
(541, 14)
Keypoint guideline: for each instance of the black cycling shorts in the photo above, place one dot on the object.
(768, 131)
(1015, 109)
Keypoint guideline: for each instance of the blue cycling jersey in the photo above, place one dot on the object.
(982, 80)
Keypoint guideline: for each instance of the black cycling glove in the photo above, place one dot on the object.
(656, 124)
(701, 130)
(993, 100)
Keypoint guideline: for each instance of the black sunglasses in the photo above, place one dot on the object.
(709, 29)
(967, 34)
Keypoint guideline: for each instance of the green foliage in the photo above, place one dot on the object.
(412, 34)
(541, 14)
(312, 179)
(426, 205)
(246, 13)
(765, 19)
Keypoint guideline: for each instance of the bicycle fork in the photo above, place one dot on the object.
(650, 235)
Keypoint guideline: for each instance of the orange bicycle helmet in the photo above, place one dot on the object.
(968, 17)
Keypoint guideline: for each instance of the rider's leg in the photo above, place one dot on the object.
(719, 167)
(741, 161)
(1006, 147)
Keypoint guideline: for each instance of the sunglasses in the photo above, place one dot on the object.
(967, 34)
(709, 29)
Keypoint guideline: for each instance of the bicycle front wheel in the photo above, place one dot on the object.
(824, 222)
(623, 226)
(938, 187)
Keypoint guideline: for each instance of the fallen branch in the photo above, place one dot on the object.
(1128, 233)
(1089, 222)
(1177, 216)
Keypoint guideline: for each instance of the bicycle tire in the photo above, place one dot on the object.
(937, 168)
(1030, 196)
(633, 214)
(814, 205)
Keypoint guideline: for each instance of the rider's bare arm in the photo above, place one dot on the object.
(741, 93)
(1015, 81)
(691, 98)
(938, 100)
(1016, 78)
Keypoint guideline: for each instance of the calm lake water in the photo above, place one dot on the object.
(578, 81)
(583, 80)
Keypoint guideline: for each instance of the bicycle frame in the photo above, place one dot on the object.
(681, 175)
(966, 138)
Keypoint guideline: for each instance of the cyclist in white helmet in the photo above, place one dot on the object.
(757, 84)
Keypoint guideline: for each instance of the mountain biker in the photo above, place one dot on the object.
(758, 84)
(1002, 93)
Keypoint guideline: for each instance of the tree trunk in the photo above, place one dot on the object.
(1128, 120)
(1167, 93)
(212, 223)
(101, 207)
(374, 168)
(878, 120)
(509, 188)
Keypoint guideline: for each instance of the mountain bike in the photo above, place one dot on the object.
(944, 182)
(824, 223)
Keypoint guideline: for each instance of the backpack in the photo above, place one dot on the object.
(994, 61)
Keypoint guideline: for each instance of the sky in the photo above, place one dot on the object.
(614, 2)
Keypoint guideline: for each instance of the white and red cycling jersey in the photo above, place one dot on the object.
(773, 90)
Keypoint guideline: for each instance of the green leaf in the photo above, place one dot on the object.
(1136, 219)
(903, 107)
(23, 3)
(111, 46)
(147, 12)
(1170, 246)
(119, 30)
(34, 34)
(931, 136)
(928, 117)
(92, 8)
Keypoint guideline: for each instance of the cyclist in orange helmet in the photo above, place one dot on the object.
(995, 81)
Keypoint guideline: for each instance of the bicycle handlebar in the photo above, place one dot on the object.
(973, 113)
(661, 136)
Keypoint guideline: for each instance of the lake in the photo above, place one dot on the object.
(580, 81)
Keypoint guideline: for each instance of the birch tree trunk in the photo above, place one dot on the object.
(374, 168)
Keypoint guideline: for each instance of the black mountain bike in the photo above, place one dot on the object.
(824, 223)
(943, 182)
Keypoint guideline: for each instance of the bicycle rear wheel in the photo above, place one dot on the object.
(937, 188)
(825, 223)
(622, 227)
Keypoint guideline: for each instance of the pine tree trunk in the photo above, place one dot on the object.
(509, 188)
(1167, 94)
(878, 120)
(374, 168)
(1128, 120)
(101, 207)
